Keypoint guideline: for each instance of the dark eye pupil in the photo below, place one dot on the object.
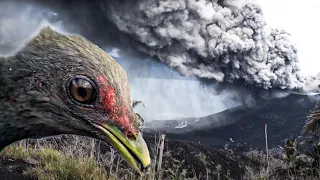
(82, 92)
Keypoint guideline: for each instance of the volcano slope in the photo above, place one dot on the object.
(243, 127)
(189, 159)
(180, 160)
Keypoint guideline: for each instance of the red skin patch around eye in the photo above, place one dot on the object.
(114, 106)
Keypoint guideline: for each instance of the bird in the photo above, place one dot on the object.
(59, 83)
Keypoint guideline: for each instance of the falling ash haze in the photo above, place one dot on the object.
(223, 41)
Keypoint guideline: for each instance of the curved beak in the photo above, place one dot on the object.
(134, 151)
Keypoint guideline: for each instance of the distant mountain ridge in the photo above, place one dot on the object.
(243, 126)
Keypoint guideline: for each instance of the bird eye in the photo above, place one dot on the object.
(82, 90)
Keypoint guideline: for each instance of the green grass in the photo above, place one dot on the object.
(15, 152)
(79, 158)
(53, 165)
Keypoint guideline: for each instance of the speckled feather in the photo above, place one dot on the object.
(33, 97)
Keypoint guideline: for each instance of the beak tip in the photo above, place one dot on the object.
(134, 150)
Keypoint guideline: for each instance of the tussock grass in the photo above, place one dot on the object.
(80, 158)
(280, 168)
(69, 157)
(52, 164)
(72, 157)
(15, 152)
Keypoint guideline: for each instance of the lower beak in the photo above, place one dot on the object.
(134, 151)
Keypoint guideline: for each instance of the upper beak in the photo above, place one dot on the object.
(134, 151)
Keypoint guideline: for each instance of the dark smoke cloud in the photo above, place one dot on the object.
(211, 40)
(217, 41)
(221, 40)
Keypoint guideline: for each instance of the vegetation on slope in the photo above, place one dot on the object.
(298, 159)
(73, 157)
(50, 164)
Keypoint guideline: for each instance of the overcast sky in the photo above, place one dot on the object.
(301, 20)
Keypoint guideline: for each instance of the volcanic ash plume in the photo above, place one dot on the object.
(211, 39)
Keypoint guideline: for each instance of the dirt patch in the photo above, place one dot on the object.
(11, 169)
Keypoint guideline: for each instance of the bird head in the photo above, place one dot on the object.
(64, 84)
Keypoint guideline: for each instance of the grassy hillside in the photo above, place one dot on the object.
(70, 157)
(74, 157)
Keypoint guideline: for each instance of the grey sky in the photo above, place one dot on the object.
(301, 20)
